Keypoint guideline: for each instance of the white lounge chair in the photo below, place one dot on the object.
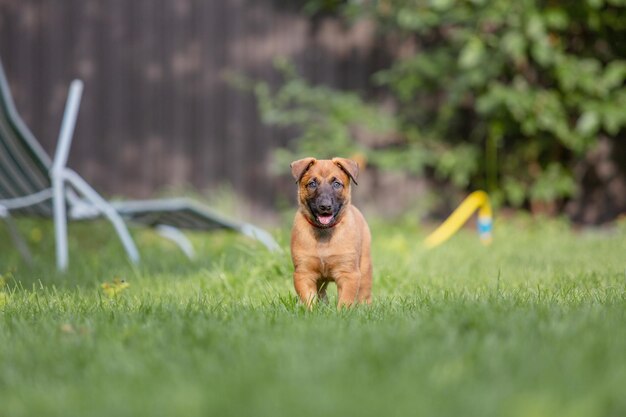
(33, 184)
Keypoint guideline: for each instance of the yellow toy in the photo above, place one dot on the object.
(478, 200)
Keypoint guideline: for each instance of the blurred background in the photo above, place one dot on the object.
(526, 100)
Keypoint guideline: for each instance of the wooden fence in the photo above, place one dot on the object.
(157, 111)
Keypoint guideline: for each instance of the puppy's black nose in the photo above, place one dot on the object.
(324, 204)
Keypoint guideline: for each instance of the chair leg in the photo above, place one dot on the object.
(178, 237)
(107, 210)
(56, 172)
(261, 235)
(60, 174)
(19, 242)
(60, 222)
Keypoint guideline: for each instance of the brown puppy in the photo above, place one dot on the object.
(330, 240)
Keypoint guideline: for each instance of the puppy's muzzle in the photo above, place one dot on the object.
(325, 209)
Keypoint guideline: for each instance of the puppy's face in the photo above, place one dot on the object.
(324, 188)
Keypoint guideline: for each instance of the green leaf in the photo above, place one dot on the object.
(553, 183)
(595, 3)
(514, 45)
(614, 119)
(588, 123)
(556, 18)
(441, 5)
(535, 28)
(472, 53)
(515, 191)
(614, 75)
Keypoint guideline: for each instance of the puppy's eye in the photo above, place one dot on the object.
(312, 185)
(337, 185)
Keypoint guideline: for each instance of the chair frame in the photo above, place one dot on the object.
(69, 188)
(61, 178)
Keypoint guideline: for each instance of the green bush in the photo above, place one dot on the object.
(326, 119)
(496, 94)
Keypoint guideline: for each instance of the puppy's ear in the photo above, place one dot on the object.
(349, 166)
(299, 167)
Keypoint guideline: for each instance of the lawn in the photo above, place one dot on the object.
(534, 325)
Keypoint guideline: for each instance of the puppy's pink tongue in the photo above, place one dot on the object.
(325, 219)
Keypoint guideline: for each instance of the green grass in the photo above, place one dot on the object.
(534, 325)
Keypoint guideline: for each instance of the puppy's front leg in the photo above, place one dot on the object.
(365, 288)
(306, 286)
(348, 289)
